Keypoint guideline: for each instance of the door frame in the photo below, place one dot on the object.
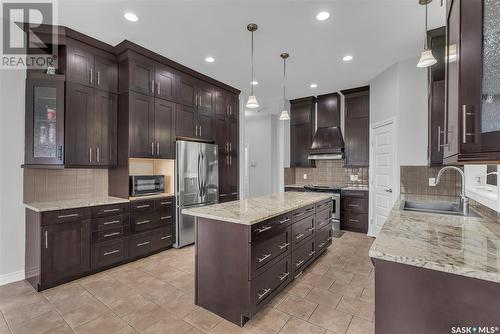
(395, 176)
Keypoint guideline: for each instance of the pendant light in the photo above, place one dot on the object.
(252, 100)
(426, 58)
(285, 116)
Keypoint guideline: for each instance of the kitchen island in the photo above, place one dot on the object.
(434, 272)
(248, 251)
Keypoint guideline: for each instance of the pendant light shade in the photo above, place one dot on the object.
(252, 99)
(284, 116)
(426, 58)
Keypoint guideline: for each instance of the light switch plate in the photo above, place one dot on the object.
(305, 176)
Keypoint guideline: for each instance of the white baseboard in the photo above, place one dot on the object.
(11, 277)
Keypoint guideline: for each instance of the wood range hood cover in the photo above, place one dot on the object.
(327, 144)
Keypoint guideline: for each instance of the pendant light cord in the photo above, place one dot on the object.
(425, 35)
(284, 83)
(252, 83)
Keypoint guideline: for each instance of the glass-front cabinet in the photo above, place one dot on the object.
(44, 120)
(472, 122)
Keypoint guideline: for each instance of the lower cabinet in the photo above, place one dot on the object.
(67, 244)
(354, 213)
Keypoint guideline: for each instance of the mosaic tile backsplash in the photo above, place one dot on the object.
(327, 172)
(415, 180)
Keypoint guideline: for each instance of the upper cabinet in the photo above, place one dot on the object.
(328, 110)
(302, 120)
(472, 125)
(357, 111)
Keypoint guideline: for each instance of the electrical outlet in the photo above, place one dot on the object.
(305, 176)
(356, 177)
(432, 182)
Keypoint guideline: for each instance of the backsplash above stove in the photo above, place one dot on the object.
(327, 172)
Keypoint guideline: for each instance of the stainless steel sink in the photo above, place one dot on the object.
(446, 208)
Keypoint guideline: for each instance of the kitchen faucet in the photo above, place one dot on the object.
(464, 201)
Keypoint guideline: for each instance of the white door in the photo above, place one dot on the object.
(383, 191)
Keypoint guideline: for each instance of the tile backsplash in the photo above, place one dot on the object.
(327, 172)
(415, 180)
(64, 184)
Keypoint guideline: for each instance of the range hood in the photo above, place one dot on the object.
(328, 144)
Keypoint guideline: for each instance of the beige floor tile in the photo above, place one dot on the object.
(184, 282)
(195, 330)
(49, 322)
(226, 327)
(299, 289)
(356, 307)
(84, 313)
(360, 326)
(363, 281)
(109, 323)
(299, 326)
(17, 294)
(368, 295)
(63, 292)
(340, 276)
(107, 289)
(130, 304)
(202, 319)
(361, 269)
(346, 289)
(26, 312)
(168, 325)
(270, 320)
(180, 306)
(146, 316)
(324, 297)
(280, 297)
(297, 307)
(4, 329)
(329, 318)
(318, 281)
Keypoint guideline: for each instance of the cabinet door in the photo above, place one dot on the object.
(328, 110)
(221, 139)
(142, 75)
(234, 106)
(356, 142)
(221, 104)
(165, 82)
(105, 127)
(206, 97)
(436, 123)
(44, 129)
(80, 65)
(79, 137)
(300, 143)
(141, 127)
(164, 129)
(233, 168)
(185, 121)
(186, 90)
(106, 74)
(206, 125)
(65, 251)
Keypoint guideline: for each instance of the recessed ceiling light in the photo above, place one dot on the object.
(131, 17)
(313, 85)
(347, 58)
(254, 83)
(210, 59)
(322, 16)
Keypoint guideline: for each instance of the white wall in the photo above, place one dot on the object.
(11, 176)
(259, 140)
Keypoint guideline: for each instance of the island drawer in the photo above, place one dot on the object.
(323, 218)
(269, 227)
(324, 205)
(262, 287)
(303, 212)
(108, 253)
(302, 256)
(266, 250)
(106, 223)
(109, 210)
(323, 238)
(302, 229)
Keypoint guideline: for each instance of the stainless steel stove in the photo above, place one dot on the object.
(335, 190)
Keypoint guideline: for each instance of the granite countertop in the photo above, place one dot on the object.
(73, 203)
(357, 188)
(253, 210)
(458, 245)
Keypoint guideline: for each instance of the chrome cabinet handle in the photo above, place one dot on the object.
(142, 206)
(111, 222)
(260, 259)
(283, 221)
(110, 210)
(142, 222)
(310, 229)
(303, 213)
(321, 245)
(230, 147)
(152, 148)
(157, 148)
(354, 220)
(166, 237)
(200, 130)
(230, 160)
(464, 124)
(439, 139)
(152, 86)
(353, 205)
(196, 130)
(166, 217)
(165, 203)
(98, 78)
(143, 243)
(285, 275)
(91, 79)
(69, 216)
(324, 204)
(111, 234)
(299, 236)
(263, 229)
(311, 253)
(90, 154)
(111, 252)
(98, 154)
(261, 295)
(46, 240)
(297, 264)
(285, 245)
(230, 110)
(158, 89)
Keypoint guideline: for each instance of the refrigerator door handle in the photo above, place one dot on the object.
(199, 175)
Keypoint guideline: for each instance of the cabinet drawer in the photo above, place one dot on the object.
(269, 227)
(166, 203)
(108, 253)
(266, 250)
(109, 210)
(142, 206)
(106, 223)
(355, 193)
(303, 212)
(141, 244)
(357, 221)
(143, 222)
(302, 229)
(114, 233)
(271, 279)
(323, 218)
(323, 239)
(302, 256)
(324, 205)
(164, 236)
(61, 216)
(359, 205)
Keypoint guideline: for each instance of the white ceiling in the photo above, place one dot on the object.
(376, 33)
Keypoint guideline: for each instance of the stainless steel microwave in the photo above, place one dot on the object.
(141, 185)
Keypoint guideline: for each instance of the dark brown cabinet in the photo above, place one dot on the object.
(140, 72)
(164, 129)
(105, 127)
(472, 133)
(302, 120)
(186, 91)
(328, 113)
(354, 212)
(193, 123)
(357, 105)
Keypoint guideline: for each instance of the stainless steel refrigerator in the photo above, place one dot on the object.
(196, 184)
